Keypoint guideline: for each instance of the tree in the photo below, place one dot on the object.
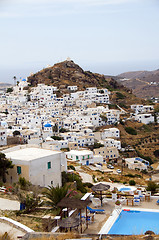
(5, 164)
(16, 133)
(104, 118)
(9, 90)
(151, 186)
(131, 130)
(55, 195)
(156, 153)
(55, 128)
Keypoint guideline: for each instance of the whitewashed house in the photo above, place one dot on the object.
(72, 88)
(85, 157)
(144, 118)
(110, 142)
(110, 133)
(137, 163)
(26, 161)
(3, 136)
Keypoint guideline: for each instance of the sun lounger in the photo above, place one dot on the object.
(136, 201)
(157, 202)
(92, 210)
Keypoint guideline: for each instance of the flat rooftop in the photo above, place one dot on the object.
(28, 154)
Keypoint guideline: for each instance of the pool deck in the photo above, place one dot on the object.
(100, 219)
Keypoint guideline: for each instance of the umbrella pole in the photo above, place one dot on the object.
(86, 218)
(101, 197)
(80, 221)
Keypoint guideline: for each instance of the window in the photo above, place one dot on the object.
(88, 156)
(49, 165)
(19, 171)
(76, 157)
(83, 157)
(51, 182)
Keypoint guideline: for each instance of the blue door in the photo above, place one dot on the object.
(87, 162)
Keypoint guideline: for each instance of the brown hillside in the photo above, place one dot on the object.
(144, 84)
(68, 73)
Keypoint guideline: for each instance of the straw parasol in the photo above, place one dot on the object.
(73, 204)
(69, 222)
(100, 187)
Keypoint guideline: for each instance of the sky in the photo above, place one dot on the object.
(103, 36)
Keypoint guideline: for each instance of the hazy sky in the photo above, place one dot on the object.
(104, 36)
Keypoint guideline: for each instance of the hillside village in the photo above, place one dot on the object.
(89, 129)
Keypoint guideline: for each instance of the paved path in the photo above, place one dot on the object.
(6, 204)
(86, 177)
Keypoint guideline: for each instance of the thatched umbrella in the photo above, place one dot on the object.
(73, 204)
(69, 222)
(99, 188)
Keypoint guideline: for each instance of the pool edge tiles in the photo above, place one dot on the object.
(112, 219)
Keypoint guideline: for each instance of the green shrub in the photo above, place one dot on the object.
(119, 95)
(156, 153)
(131, 130)
(151, 186)
(63, 130)
(71, 167)
(132, 183)
(57, 138)
(129, 175)
(87, 184)
(68, 177)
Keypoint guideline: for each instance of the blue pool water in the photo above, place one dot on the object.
(124, 189)
(135, 223)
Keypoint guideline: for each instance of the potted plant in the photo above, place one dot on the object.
(114, 195)
(117, 203)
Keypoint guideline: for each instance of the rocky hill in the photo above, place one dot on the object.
(68, 73)
(144, 84)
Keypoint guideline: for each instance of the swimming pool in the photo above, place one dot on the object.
(135, 222)
(126, 189)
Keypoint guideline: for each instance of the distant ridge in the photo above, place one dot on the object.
(144, 84)
(5, 85)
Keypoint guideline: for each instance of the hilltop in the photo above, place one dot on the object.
(68, 73)
(144, 84)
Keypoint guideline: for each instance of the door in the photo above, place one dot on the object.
(87, 162)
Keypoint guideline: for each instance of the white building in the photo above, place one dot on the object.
(139, 108)
(85, 157)
(136, 163)
(39, 166)
(110, 133)
(144, 118)
(108, 153)
(110, 142)
(72, 88)
(3, 136)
